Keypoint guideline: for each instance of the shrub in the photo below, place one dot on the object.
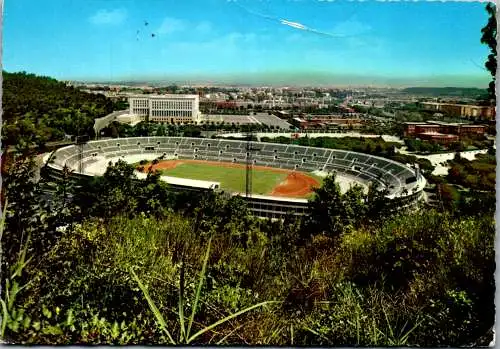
(427, 255)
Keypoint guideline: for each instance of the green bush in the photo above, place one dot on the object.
(427, 255)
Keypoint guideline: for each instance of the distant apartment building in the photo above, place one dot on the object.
(171, 108)
(304, 101)
(462, 110)
(442, 132)
(460, 129)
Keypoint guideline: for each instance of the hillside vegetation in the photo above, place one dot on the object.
(46, 109)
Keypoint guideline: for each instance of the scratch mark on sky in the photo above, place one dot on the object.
(295, 25)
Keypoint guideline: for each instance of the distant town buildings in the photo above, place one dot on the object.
(169, 108)
(441, 132)
(462, 110)
(184, 104)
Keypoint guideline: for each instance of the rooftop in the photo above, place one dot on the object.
(442, 123)
(164, 96)
(438, 134)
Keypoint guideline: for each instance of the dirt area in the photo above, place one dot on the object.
(296, 184)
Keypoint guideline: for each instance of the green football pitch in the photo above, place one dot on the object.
(230, 178)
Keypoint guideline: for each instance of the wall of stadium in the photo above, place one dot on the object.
(403, 183)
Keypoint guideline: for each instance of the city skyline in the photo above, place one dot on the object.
(257, 43)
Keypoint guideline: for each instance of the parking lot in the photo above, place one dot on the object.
(271, 120)
(259, 118)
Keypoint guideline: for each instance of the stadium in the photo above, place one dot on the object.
(283, 176)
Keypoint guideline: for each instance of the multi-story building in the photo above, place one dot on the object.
(439, 137)
(442, 132)
(170, 108)
(460, 129)
(463, 110)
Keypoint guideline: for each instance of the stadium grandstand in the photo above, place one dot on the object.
(403, 183)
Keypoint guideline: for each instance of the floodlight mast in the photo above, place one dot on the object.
(249, 162)
(248, 183)
(80, 142)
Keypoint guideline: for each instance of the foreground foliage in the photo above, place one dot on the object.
(132, 275)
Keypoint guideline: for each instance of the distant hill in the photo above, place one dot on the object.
(468, 92)
(38, 109)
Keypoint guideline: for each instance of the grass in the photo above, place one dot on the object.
(11, 314)
(185, 336)
(231, 179)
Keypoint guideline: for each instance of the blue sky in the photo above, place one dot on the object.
(263, 42)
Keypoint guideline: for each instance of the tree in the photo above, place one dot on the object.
(489, 38)
(20, 190)
(61, 206)
(153, 195)
(113, 193)
(114, 131)
(52, 107)
(161, 131)
(192, 131)
(332, 212)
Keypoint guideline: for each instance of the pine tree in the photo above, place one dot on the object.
(489, 38)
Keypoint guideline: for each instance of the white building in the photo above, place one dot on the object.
(166, 108)
(131, 119)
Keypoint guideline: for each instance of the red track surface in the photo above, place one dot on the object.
(296, 184)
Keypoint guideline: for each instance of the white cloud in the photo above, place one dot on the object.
(351, 28)
(171, 25)
(295, 37)
(229, 44)
(103, 16)
(203, 27)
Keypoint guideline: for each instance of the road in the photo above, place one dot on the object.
(439, 160)
(259, 135)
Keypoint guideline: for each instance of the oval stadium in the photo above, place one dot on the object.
(282, 176)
